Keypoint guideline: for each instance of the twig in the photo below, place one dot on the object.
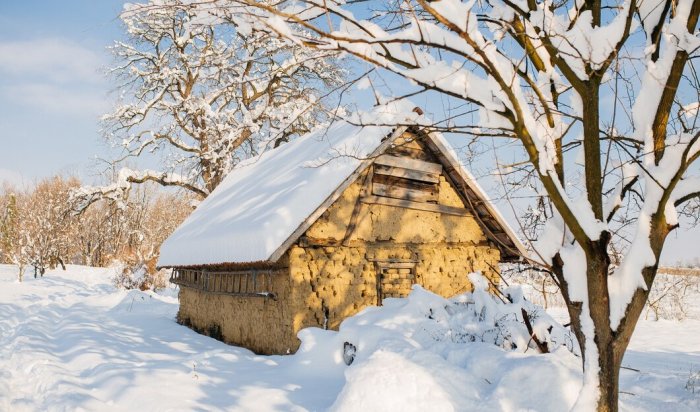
(541, 346)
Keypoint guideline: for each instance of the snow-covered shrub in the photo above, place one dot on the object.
(427, 320)
(486, 317)
(537, 285)
(128, 277)
(670, 296)
(138, 276)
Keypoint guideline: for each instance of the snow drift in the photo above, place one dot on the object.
(425, 352)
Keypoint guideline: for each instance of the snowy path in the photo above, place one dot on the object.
(70, 341)
(85, 346)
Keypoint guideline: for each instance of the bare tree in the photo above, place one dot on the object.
(129, 229)
(147, 218)
(671, 295)
(613, 80)
(205, 93)
(97, 233)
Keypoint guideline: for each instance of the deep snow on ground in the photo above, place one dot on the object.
(70, 341)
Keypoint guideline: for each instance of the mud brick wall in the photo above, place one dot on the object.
(261, 324)
(377, 223)
(330, 283)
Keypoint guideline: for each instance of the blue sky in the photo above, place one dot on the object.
(53, 90)
(52, 87)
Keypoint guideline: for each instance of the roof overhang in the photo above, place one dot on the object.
(494, 225)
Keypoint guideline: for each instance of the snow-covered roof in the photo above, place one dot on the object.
(267, 202)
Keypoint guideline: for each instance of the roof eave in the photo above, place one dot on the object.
(259, 264)
(517, 249)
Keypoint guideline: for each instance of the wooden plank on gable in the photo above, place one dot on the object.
(414, 195)
(419, 175)
(406, 163)
(407, 183)
(407, 204)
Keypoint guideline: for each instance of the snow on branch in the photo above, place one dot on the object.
(203, 92)
(117, 191)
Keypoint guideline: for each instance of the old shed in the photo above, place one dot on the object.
(314, 231)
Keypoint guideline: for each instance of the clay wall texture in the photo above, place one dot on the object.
(330, 283)
(262, 324)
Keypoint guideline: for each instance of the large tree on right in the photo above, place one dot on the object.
(614, 80)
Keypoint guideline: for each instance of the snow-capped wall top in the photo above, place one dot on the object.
(265, 199)
(267, 202)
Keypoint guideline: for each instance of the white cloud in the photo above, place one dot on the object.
(56, 98)
(54, 59)
(52, 75)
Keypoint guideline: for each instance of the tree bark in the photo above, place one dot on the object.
(611, 345)
(608, 373)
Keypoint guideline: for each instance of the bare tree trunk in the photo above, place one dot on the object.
(609, 378)
(610, 345)
(598, 265)
(601, 364)
(608, 373)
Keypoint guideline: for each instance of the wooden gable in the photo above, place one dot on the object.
(407, 175)
(404, 172)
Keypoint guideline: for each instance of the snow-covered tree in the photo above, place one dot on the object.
(149, 219)
(95, 233)
(613, 80)
(48, 223)
(12, 239)
(129, 229)
(204, 93)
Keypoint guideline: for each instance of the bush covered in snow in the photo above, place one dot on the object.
(538, 285)
(670, 297)
(412, 353)
(138, 276)
(425, 319)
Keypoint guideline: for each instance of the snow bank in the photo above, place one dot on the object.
(430, 353)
